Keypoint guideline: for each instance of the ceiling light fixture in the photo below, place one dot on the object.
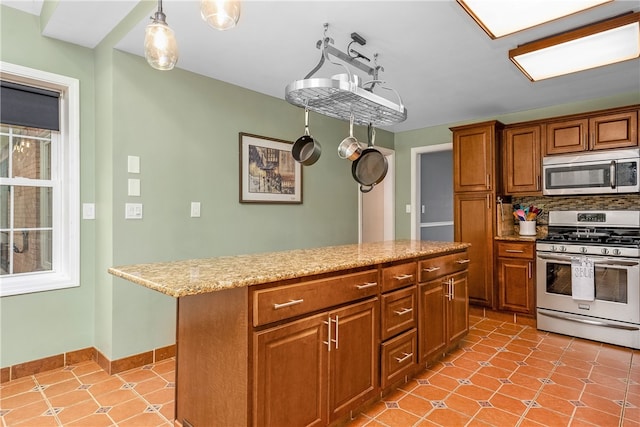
(160, 47)
(220, 14)
(602, 43)
(502, 17)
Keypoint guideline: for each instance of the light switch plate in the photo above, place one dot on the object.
(88, 211)
(133, 211)
(133, 164)
(195, 209)
(134, 187)
(407, 208)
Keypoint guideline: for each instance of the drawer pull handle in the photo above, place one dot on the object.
(404, 357)
(431, 269)
(403, 311)
(515, 251)
(367, 285)
(288, 304)
(463, 261)
(403, 276)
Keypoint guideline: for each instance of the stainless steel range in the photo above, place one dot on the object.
(588, 276)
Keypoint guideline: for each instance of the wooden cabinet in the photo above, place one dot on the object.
(398, 315)
(599, 132)
(314, 370)
(522, 160)
(516, 276)
(474, 217)
(475, 157)
(476, 182)
(443, 305)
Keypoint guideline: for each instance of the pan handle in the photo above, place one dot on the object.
(364, 189)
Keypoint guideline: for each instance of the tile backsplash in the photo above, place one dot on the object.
(561, 203)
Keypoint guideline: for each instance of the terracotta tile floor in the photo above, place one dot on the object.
(502, 375)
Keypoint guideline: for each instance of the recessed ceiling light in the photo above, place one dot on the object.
(501, 17)
(595, 45)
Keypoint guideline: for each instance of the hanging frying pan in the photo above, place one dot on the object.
(371, 167)
(306, 149)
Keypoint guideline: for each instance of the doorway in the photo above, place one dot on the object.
(432, 192)
(377, 207)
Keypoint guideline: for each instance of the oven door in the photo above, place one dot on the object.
(617, 283)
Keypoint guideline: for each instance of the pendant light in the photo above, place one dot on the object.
(160, 47)
(220, 14)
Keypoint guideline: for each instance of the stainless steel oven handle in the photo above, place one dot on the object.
(612, 174)
(610, 262)
(590, 322)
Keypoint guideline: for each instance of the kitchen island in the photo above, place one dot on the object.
(305, 337)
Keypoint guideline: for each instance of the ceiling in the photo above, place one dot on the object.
(445, 68)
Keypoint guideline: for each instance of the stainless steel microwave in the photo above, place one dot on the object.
(602, 172)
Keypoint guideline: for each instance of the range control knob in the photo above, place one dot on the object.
(553, 248)
(563, 249)
(583, 250)
(617, 252)
(604, 251)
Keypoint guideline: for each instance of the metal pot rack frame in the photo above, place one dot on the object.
(341, 98)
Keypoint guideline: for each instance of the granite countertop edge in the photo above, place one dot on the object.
(197, 276)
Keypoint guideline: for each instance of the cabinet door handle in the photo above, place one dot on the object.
(530, 268)
(337, 328)
(403, 311)
(431, 269)
(488, 182)
(403, 276)
(404, 357)
(367, 285)
(463, 261)
(538, 179)
(288, 304)
(329, 340)
(515, 251)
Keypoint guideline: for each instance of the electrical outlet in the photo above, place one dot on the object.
(133, 187)
(88, 211)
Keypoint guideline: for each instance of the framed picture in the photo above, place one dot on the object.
(268, 172)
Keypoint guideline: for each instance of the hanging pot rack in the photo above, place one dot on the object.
(342, 96)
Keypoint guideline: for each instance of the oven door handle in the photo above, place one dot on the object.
(590, 322)
(607, 263)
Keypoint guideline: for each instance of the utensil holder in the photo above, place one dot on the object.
(527, 228)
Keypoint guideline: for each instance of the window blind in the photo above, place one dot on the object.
(29, 106)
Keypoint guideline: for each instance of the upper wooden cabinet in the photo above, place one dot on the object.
(599, 132)
(476, 156)
(522, 160)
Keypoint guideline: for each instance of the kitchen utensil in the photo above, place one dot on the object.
(350, 147)
(306, 150)
(371, 167)
(521, 214)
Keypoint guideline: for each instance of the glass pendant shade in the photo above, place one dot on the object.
(160, 47)
(220, 14)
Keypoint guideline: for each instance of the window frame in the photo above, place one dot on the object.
(65, 271)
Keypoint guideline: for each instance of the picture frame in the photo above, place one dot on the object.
(268, 171)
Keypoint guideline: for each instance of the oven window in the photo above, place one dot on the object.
(611, 283)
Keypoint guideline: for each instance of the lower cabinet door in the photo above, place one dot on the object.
(458, 308)
(290, 374)
(432, 314)
(353, 357)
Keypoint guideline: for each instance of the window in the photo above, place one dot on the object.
(39, 181)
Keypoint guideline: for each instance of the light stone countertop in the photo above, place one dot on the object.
(197, 276)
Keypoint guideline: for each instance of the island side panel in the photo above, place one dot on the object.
(211, 360)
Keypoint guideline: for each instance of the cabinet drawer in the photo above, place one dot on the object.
(446, 264)
(282, 302)
(399, 357)
(515, 250)
(398, 276)
(399, 311)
